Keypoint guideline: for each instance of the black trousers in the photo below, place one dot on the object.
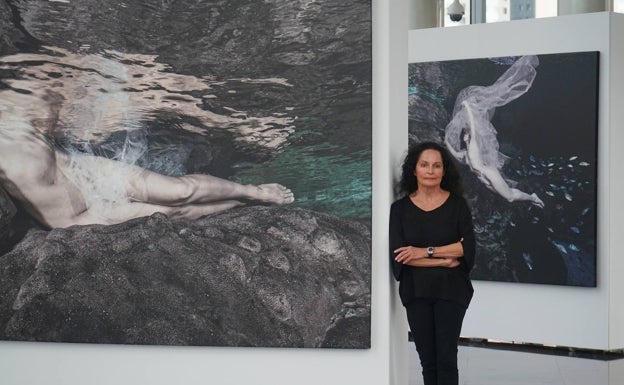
(435, 325)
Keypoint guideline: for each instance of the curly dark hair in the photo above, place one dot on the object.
(451, 181)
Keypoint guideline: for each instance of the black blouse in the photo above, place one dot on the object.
(449, 223)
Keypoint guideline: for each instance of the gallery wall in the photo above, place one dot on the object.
(616, 181)
(551, 314)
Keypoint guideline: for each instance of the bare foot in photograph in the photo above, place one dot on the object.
(273, 193)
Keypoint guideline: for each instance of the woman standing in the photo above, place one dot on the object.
(432, 248)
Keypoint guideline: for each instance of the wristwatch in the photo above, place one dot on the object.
(430, 251)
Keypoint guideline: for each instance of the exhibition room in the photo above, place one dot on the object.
(218, 191)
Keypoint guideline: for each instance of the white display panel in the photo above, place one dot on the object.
(546, 314)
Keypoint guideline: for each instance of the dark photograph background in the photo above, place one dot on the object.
(547, 137)
(250, 91)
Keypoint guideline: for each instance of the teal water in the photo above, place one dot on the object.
(321, 177)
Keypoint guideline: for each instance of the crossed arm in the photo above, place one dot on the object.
(443, 256)
(406, 230)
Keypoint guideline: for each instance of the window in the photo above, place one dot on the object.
(505, 10)
(492, 11)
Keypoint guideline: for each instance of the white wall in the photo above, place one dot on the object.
(616, 181)
(385, 363)
(390, 107)
(548, 314)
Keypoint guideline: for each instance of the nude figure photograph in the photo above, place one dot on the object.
(60, 187)
(186, 173)
(524, 130)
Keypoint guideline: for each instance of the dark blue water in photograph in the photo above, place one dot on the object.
(549, 136)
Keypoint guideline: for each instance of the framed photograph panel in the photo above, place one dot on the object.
(524, 130)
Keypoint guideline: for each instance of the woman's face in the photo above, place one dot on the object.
(429, 169)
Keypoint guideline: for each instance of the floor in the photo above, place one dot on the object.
(483, 364)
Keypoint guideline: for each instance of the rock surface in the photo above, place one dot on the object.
(7, 212)
(254, 276)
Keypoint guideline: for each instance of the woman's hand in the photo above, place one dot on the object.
(409, 253)
(450, 262)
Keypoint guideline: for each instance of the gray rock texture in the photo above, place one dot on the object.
(7, 212)
(254, 276)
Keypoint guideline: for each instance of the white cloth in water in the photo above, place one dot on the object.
(483, 101)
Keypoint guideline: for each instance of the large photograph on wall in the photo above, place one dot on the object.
(186, 172)
(524, 131)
